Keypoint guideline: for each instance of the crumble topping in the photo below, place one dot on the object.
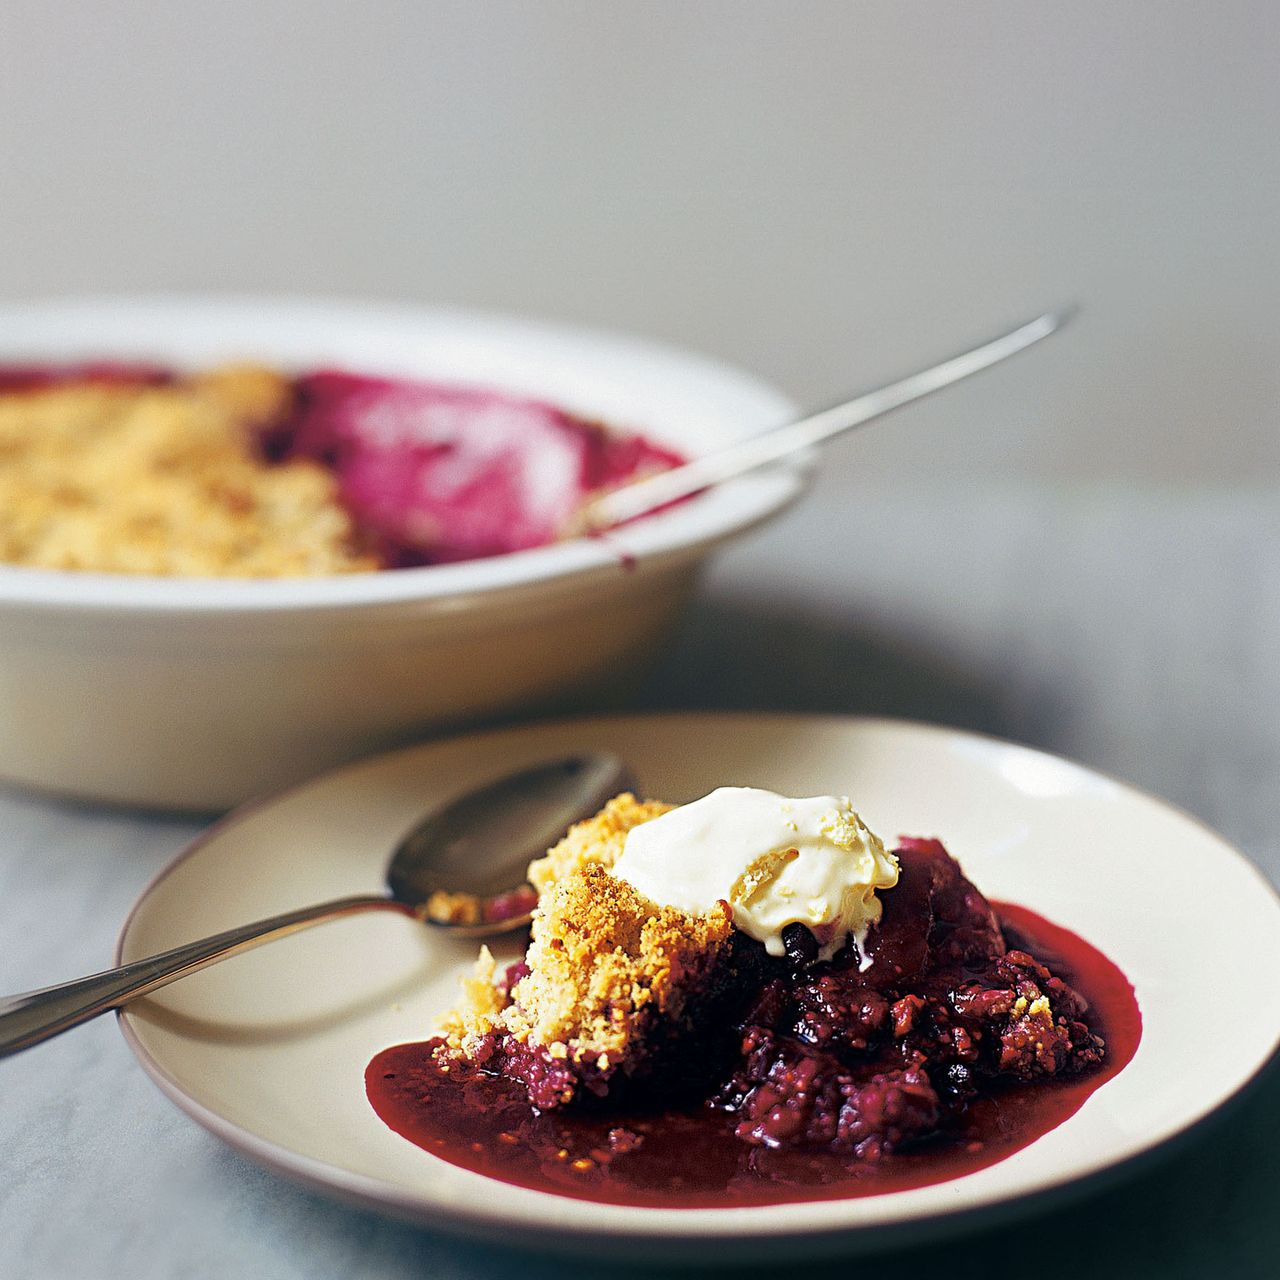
(604, 962)
(598, 840)
(445, 907)
(165, 479)
(603, 959)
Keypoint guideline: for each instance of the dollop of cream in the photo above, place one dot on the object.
(775, 860)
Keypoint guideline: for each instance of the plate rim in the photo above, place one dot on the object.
(678, 1227)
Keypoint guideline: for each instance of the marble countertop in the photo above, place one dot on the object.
(1135, 630)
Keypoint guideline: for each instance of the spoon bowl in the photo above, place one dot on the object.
(463, 866)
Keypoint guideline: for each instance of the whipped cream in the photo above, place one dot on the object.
(776, 861)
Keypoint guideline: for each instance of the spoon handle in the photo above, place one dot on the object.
(34, 1016)
(639, 497)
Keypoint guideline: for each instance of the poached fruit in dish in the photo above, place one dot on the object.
(641, 1054)
(433, 474)
(245, 471)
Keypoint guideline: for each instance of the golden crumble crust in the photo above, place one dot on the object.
(596, 841)
(480, 1012)
(603, 960)
(165, 480)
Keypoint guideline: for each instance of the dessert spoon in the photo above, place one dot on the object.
(462, 867)
(640, 497)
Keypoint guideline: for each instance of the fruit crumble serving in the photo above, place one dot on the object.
(246, 472)
(747, 999)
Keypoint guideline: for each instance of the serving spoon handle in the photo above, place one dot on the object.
(34, 1016)
(639, 497)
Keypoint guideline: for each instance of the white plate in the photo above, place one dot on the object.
(268, 1050)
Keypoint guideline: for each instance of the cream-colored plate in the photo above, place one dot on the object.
(268, 1050)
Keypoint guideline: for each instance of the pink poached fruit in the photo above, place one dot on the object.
(434, 474)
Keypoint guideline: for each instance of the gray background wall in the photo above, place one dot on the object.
(826, 192)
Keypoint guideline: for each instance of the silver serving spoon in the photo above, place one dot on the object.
(639, 497)
(461, 868)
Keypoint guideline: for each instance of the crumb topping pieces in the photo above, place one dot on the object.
(603, 960)
(164, 480)
(598, 840)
